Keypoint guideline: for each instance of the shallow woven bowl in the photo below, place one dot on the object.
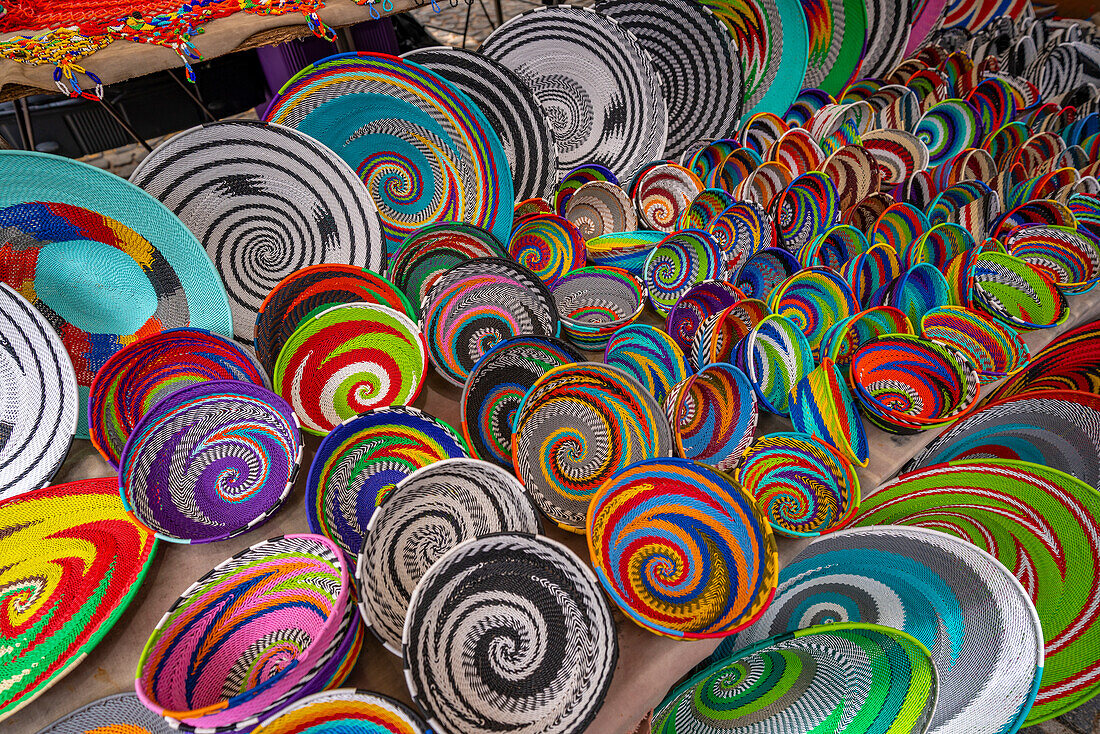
(626, 250)
(593, 303)
(289, 596)
(803, 487)
(846, 336)
(775, 356)
(994, 347)
(765, 269)
(906, 383)
(212, 461)
(713, 415)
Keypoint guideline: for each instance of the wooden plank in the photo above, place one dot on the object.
(241, 31)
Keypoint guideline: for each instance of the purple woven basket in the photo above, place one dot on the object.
(211, 461)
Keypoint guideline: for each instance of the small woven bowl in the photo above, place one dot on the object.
(1069, 257)
(716, 339)
(871, 271)
(833, 248)
(938, 246)
(346, 711)
(713, 416)
(823, 406)
(265, 618)
(702, 301)
(765, 269)
(626, 250)
(1016, 292)
(814, 299)
(906, 383)
(775, 356)
(593, 303)
(682, 549)
(211, 461)
(847, 335)
(918, 291)
(680, 261)
(548, 245)
(650, 356)
(601, 207)
(995, 348)
(803, 486)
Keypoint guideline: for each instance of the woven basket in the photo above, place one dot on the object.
(995, 348)
(717, 337)
(499, 599)
(680, 261)
(682, 549)
(344, 710)
(649, 355)
(595, 302)
(764, 270)
(822, 406)
(699, 303)
(549, 245)
(775, 356)
(212, 461)
(847, 335)
(713, 416)
(601, 207)
(106, 713)
(814, 299)
(626, 250)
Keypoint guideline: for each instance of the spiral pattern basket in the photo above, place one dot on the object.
(212, 461)
(601, 207)
(576, 177)
(360, 461)
(306, 292)
(425, 515)
(803, 487)
(740, 230)
(596, 82)
(899, 154)
(847, 335)
(706, 207)
(957, 600)
(1042, 525)
(349, 359)
(1016, 292)
(680, 261)
(664, 191)
(718, 337)
(814, 299)
(511, 108)
(650, 356)
(626, 250)
(906, 384)
(339, 101)
(682, 549)
(264, 201)
(496, 387)
(496, 600)
(995, 348)
(434, 249)
(595, 303)
(345, 711)
(775, 356)
(808, 207)
(802, 681)
(713, 416)
(83, 223)
(105, 714)
(699, 303)
(576, 427)
(80, 539)
(833, 247)
(549, 245)
(1067, 256)
(290, 594)
(823, 407)
(764, 270)
(476, 305)
(1055, 428)
(40, 404)
(938, 246)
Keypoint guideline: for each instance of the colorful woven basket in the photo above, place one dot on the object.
(764, 270)
(741, 230)
(626, 250)
(476, 305)
(775, 356)
(699, 303)
(1016, 292)
(576, 427)
(511, 108)
(709, 203)
(868, 273)
(822, 406)
(85, 224)
(40, 402)
(833, 247)
(105, 714)
(680, 261)
(549, 245)
(578, 176)
(306, 292)
(995, 348)
(597, 83)
(447, 502)
(847, 335)
(719, 335)
(957, 600)
(939, 246)
(595, 303)
(713, 416)
(1055, 428)
(376, 112)
(1042, 525)
(804, 487)
(345, 711)
(907, 384)
(808, 207)
(143, 373)
(814, 299)
(72, 560)
(1067, 256)
(211, 461)
(917, 291)
(434, 249)
(499, 599)
(496, 387)
(360, 461)
(264, 201)
(682, 549)
(807, 681)
(1070, 362)
(650, 356)
(290, 596)
(601, 207)
(664, 191)
(348, 359)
